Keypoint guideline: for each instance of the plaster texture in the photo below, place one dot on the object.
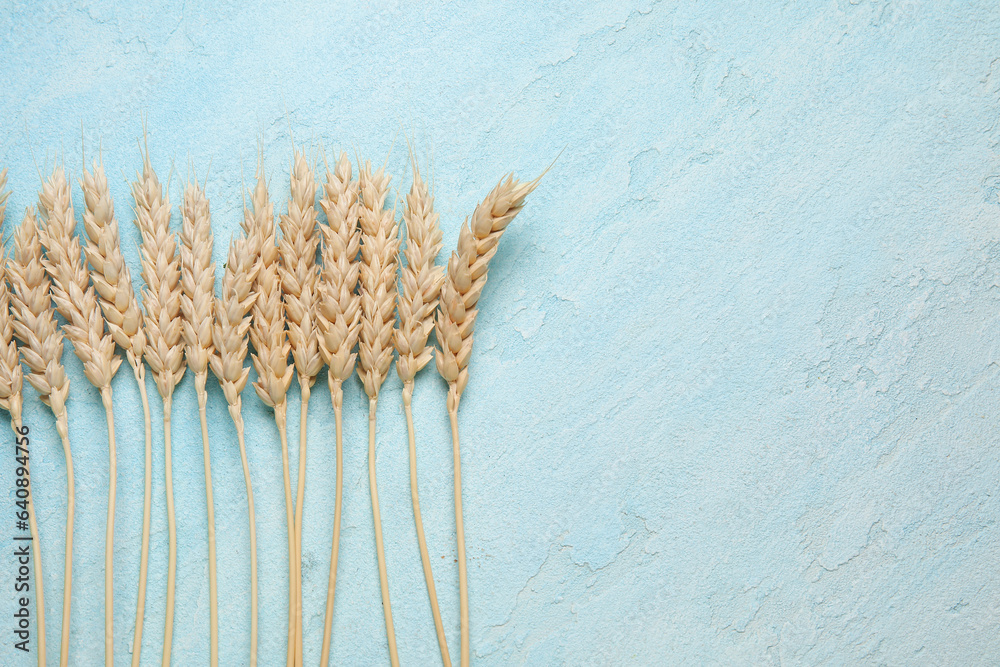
(735, 385)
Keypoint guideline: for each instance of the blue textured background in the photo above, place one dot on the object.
(734, 392)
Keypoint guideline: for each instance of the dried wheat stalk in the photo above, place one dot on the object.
(11, 379)
(161, 301)
(113, 283)
(76, 301)
(299, 282)
(379, 250)
(270, 359)
(229, 336)
(477, 243)
(42, 346)
(417, 298)
(197, 307)
(339, 316)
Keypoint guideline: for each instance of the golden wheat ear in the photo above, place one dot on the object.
(377, 287)
(456, 317)
(339, 317)
(161, 301)
(34, 324)
(270, 358)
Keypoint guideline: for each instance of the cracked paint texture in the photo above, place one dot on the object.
(735, 387)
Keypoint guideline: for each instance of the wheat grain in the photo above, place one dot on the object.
(270, 358)
(379, 249)
(35, 326)
(11, 381)
(467, 268)
(161, 301)
(197, 306)
(339, 316)
(229, 337)
(417, 298)
(76, 301)
(299, 281)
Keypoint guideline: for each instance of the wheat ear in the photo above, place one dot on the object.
(299, 282)
(477, 243)
(76, 301)
(417, 298)
(229, 335)
(339, 316)
(379, 250)
(11, 379)
(42, 346)
(197, 306)
(161, 301)
(270, 359)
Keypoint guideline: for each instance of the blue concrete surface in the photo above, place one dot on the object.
(735, 386)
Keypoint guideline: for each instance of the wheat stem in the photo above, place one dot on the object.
(147, 501)
(337, 398)
(109, 538)
(281, 420)
(168, 629)
(235, 412)
(463, 579)
(421, 539)
(380, 549)
(62, 426)
(304, 383)
(200, 380)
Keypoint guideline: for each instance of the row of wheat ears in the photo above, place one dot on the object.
(341, 312)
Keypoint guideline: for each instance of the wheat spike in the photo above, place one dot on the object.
(417, 298)
(229, 336)
(75, 299)
(42, 346)
(161, 301)
(339, 311)
(477, 243)
(339, 316)
(111, 276)
(467, 267)
(379, 250)
(11, 380)
(299, 282)
(420, 281)
(197, 306)
(270, 358)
